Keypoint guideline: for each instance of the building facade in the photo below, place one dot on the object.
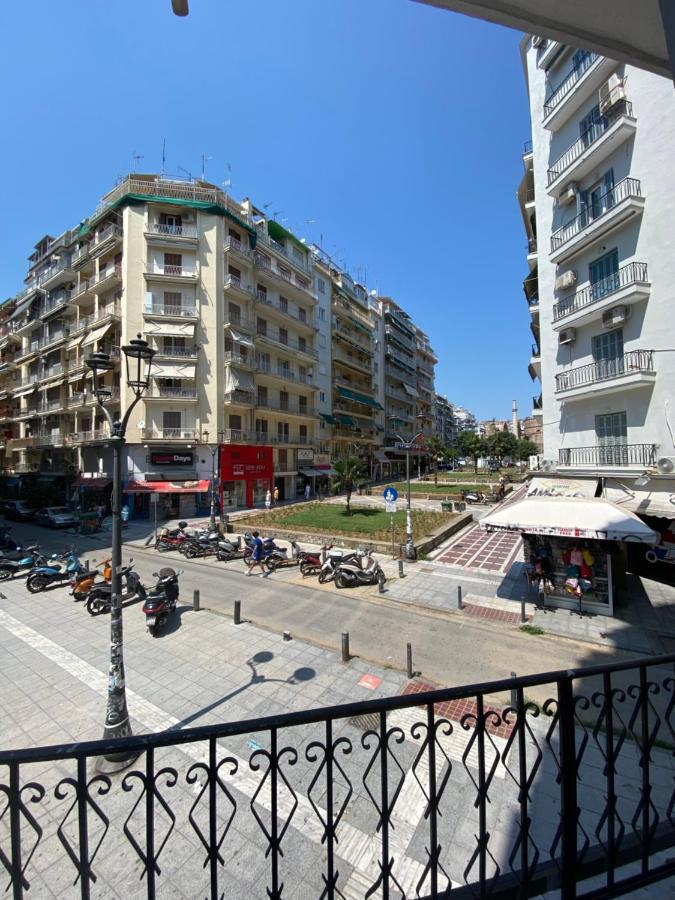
(597, 198)
(445, 427)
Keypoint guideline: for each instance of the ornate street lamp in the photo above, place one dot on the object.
(138, 357)
(407, 446)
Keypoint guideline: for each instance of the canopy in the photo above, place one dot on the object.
(359, 398)
(235, 379)
(22, 392)
(658, 500)
(562, 487)
(21, 308)
(175, 370)
(240, 338)
(173, 329)
(97, 334)
(316, 472)
(571, 517)
(75, 342)
(167, 487)
(411, 391)
(345, 420)
(381, 456)
(94, 483)
(328, 420)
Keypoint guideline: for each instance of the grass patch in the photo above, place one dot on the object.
(331, 518)
(428, 487)
(531, 629)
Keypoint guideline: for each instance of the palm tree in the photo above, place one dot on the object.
(349, 472)
(434, 447)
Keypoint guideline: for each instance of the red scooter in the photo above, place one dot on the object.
(161, 601)
(171, 539)
(310, 561)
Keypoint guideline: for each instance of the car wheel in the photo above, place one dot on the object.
(650, 556)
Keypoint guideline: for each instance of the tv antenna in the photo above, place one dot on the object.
(205, 159)
(228, 181)
(134, 160)
(163, 156)
(185, 171)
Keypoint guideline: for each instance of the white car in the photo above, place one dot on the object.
(56, 517)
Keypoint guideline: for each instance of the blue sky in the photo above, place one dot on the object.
(396, 127)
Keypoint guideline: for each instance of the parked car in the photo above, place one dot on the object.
(18, 511)
(56, 517)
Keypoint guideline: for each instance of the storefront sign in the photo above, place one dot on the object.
(246, 462)
(163, 458)
(305, 455)
(562, 487)
(322, 459)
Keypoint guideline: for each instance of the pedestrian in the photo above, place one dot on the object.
(268, 499)
(308, 491)
(276, 494)
(257, 555)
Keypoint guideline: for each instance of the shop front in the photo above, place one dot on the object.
(246, 474)
(89, 492)
(174, 499)
(575, 548)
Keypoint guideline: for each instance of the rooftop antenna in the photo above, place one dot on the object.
(205, 159)
(134, 159)
(185, 171)
(275, 213)
(163, 156)
(228, 181)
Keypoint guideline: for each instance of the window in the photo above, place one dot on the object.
(283, 459)
(376, 366)
(261, 325)
(603, 274)
(302, 314)
(235, 422)
(322, 370)
(284, 271)
(302, 373)
(261, 291)
(173, 299)
(170, 224)
(263, 361)
(302, 434)
(175, 346)
(283, 368)
(608, 353)
(260, 427)
(235, 313)
(283, 304)
(322, 340)
(283, 431)
(297, 255)
(322, 396)
(234, 272)
(302, 404)
(234, 234)
(322, 314)
(283, 336)
(321, 285)
(171, 423)
(592, 126)
(612, 433)
(283, 399)
(262, 395)
(598, 199)
(302, 344)
(173, 263)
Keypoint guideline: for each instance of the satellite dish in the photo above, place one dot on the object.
(141, 424)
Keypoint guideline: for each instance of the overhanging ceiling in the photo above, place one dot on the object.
(625, 30)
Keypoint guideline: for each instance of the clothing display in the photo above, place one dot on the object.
(567, 568)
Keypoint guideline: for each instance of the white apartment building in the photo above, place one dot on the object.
(598, 204)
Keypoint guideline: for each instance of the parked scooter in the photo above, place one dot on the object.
(230, 549)
(203, 544)
(363, 569)
(310, 561)
(161, 601)
(474, 497)
(270, 550)
(85, 581)
(99, 599)
(333, 559)
(6, 542)
(43, 576)
(279, 558)
(20, 562)
(171, 539)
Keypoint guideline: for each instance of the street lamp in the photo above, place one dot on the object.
(407, 445)
(138, 357)
(212, 520)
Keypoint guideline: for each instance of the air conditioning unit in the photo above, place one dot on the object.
(566, 280)
(611, 93)
(665, 465)
(538, 40)
(567, 336)
(569, 195)
(617, 315)
(548, 465)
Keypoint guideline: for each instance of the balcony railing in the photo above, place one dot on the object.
(169, 434)
(179, 231)
(629, 187)
(177, 352)
(587, 139)
(232, 244)
(288, 342)
(352, 359)
(613, 455)
(563, 89)
(276, 304)
(278, 406)
(110, 231)
(172, 393)
(281, 372)
(234, 281)
(239, 398)
(167, 309)
(109, 272)
(231, 357)
(605, 369)
(538, 402)
(84, 437)
(632, 274)
(173, 271)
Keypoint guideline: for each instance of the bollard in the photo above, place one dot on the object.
(460, 605)
(400, 569)
(86, 565)
(523, 616)
(514, 694)
(237, 612)
(195, 600)
(345, 647)
(287, 636)
(323, 555)
(380, 584)
(409, 666)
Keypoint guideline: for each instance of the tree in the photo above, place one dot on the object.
(472, 445)
(501, 444)
(526, 449)
(451, 455)
(435, 448)
(350, 471)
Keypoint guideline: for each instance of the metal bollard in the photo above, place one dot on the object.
(514, 694)
(323, 555)
(86, 565)
(401, 574)
(345, 647)
(237, 612)
(409, 665)
(523, 615)
(195, 600)
(460, 605)
(380, 585)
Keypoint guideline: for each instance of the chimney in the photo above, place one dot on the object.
(514, 419)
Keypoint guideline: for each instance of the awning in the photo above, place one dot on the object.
(345, 420)
(317, 472)
(21, 308)
(167, 487)
(571, 517)
(94, 483)
(328, 420)
(562, 487)
(359, 398)
(75, 342)
(357, 324)
(240, 338)
(177, 370)
(170, 329)
(97, 334)
(381, 456)
(22, 392)
(410, 390)
(235, 380)
(656, 499)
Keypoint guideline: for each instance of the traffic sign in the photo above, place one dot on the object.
(390, 506)
(390, 494)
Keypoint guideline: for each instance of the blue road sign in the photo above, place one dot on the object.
(390, 494)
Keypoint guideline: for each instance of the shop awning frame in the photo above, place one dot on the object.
(168, 487)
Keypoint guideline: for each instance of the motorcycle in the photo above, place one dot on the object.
(42, 576)
(310, 561)
(161, 601)
(229, 549)
(171, 539)
(355, 572)
(270, 551)
(6, 542)
(202, 544)
(279, 558)
(333, 559)
(19, 561)
(474, 497)
(85, 581)
(99, 600)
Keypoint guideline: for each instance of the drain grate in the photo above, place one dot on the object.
(366, 722)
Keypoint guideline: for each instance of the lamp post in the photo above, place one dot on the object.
(138, 362)
(407, 445)
(212, 520)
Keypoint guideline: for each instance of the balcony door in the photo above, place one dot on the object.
(592, 126)
(607, 351)
(603, 274)
(171, 424)
(612, 435)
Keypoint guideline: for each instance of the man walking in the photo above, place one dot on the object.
(257, 555)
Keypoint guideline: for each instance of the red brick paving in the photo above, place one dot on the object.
(497, 615)
(456, 709)
(476, 549)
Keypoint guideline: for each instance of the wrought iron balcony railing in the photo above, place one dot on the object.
(563, 89)
(605, 369)
(627, 188)
(612, 455)
(571, 795)
(632, 274)
(587, 139)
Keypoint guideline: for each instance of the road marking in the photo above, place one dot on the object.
(355, 847)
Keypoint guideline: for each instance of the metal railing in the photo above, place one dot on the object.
(533, 300)
(558, 95)
(171, 434)
(282, 372)
(173, 271)
(352, 359)
(609, 455)
(173, 393)
(239, 398)
(231, 357)
(288, 342)
(628, 187)
(605, 369)
(588, 138)
(184, 231)
(109, 272)
(83, 437)
(167, 309)
(632, 273)
(177, 352)
(278, 406)
(234, 281)
(276, 304)
(236, 246)
(110, 231)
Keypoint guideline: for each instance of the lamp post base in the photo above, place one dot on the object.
(110, 765)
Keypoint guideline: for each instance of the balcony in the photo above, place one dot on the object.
(239, 398)
(533, 304)
(106, 279)
(401, 337)
(166, 310)
(168, 352)
(168, 434)
(283, 374)
(297, 347)
(641, 456)
(351, 360)
(535, 361)
(531, 250)
(58, 273)
(632, 370)
(285, 311)
(106, 238)
(238, 436)
(609, 211)
(234, 285)
(594, 145)
(182, 274)
(582, 81)
(171, 393)
(538, 405)
(232, 245)
(232, 358)
(291, 409)
(288, 278)
(175, 235)
(105, 313)
(627, 286)
(87, 437)
(82, 291)
(303, 265)
(55, 371)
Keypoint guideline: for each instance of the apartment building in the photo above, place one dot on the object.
(597, 198)
(226, 298)
(444, 417)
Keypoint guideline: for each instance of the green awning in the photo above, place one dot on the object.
(345, 420)
(278, 233)
(379, 427)
(359, 398)
(328, 420)
(357, 324)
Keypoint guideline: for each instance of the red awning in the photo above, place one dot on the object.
(95, 483)
(167, 487)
